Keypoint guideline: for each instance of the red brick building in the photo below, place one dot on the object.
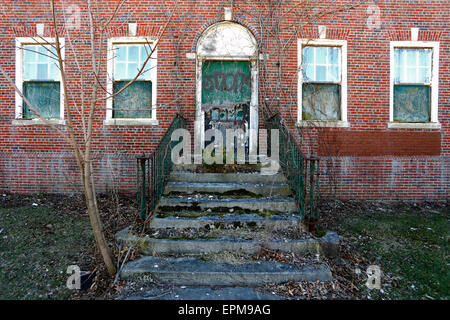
(363, 86)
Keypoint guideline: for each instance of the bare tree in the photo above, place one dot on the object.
(79, 113)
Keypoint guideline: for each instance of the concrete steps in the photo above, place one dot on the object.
(327, 245)
(194, 271)
(222, 215)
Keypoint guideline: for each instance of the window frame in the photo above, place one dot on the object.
(20, 42)
(110, 81)
(342, 123)
(434, 97)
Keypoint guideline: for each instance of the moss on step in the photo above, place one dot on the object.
(231, 257)
(196, 212)
(320, 232)
(237, 231)
(239, 193)
(168, 209)
(267, 213)
(251, 225)
(188, 214)
(228, 168)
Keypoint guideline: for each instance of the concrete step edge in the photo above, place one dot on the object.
(273, 204)
(185, 176)
(190, 199)
(228, 184)
(277, 189)
(328, 245)
(275, 222)
(194, 271)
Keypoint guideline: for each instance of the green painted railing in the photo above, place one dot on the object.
(301, 172)
(153, 171)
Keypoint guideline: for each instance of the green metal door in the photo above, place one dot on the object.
(226, 95)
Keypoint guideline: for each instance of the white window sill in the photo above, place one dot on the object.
(406, 125)
(130, 122)
(31, 122)
(322, 124)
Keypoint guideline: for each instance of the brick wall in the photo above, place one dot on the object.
(378, 143)
(386, 178)
(370, 161)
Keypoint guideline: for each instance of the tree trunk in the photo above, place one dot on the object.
(96, 223)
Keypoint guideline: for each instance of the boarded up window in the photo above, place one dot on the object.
(412, 85)
(44, 96)
(321, 101)
(411, 103)
(133, 102)
(136, 100)
(41, 84)
(321, 90)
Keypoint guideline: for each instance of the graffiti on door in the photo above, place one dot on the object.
(225, 83)
(226, 95)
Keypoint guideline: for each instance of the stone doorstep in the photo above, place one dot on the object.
(183, 176)
(275, 189)
(327, 245)
(196, 272)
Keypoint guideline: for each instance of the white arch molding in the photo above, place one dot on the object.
(226, 41)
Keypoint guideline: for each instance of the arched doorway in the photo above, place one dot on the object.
(227, 84)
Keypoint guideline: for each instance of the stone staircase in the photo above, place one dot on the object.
(207, 232)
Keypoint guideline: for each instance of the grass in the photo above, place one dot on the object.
(36, 247)
(412, 248)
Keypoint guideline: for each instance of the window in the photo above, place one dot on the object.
(414, 84)
(136, 104)
(323, 83)
(38, 77)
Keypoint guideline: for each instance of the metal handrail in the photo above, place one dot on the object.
(295, 167)
(153, 170)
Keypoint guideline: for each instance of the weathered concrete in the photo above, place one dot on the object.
(185, 167)
(327, 245)
(285, 205)
(184, 176)
(194, 271)
(275, 222)
(275, 189)
(254, 214)
(201, 293)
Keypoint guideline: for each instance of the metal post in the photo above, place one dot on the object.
(311, 189)
(142, 191)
